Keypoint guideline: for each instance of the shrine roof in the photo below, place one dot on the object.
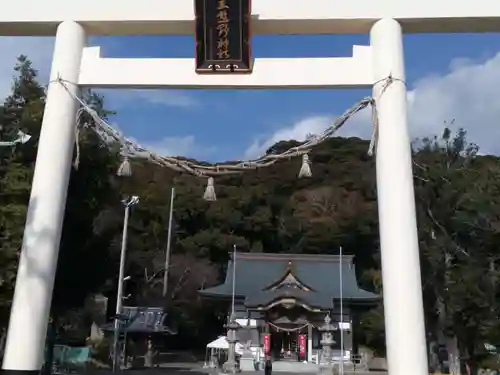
(257, 276)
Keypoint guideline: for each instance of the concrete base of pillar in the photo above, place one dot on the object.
(329, 370)
(247, 363)
(230, 367)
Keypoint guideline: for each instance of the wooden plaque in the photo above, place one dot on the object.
(223, 36)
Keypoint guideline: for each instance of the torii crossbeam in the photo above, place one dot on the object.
(385, 20)
(115, 17)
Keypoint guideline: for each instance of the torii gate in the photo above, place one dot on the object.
(385, 20)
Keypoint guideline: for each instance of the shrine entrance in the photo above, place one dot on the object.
(286, 326)
(285, 345)
(379, 65)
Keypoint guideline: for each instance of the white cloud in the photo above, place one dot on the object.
(179, 146)
(298, 131)
(169, 98)
(185, 146)
(467, 96)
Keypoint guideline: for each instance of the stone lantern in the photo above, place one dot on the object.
(327, 341)
(230, 366)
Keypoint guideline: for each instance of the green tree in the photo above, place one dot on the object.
(22, 110)
(457, 202)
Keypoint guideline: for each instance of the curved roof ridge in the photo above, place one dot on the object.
(267, 297)
(293, 257)
(288, 271)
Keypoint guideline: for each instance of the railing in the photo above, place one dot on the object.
(66, 358)
(356, 361)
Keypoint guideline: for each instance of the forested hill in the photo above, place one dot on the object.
(268, 210)
(271, 209)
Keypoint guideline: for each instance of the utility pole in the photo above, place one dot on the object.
(233, 284)
(121, 279)
(169, 240)
(341, 263)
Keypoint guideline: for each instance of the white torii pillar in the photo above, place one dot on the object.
(25, 345)
(402, 286)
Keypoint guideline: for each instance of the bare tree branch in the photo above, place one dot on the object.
(444, 231)
(180, 283)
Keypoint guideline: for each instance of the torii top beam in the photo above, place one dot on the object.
(119, 17)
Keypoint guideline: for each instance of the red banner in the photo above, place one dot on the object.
(267, 344)
(302, 345)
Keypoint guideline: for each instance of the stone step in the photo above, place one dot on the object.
(299, 367)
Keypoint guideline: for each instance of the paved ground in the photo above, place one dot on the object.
(170, 368)
(194, 369)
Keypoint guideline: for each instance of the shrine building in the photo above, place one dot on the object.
(288, 296)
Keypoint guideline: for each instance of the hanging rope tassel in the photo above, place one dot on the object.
(76, 162)
(305, 169)
(372, 149)
(125, 169)
(210, 191)
(79, 114)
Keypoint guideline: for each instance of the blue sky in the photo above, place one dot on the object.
(449, 76)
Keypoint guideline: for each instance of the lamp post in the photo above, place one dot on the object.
(22, 138)
(232, 326)
(169, 240)
(341, 263)
(128, 203)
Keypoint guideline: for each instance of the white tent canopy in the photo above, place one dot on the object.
(221, 343)
(219, 346)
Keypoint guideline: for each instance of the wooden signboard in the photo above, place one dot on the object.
(223, 36)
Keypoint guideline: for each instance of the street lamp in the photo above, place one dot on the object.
(21, 139)
(230, 365)
(128, 203)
